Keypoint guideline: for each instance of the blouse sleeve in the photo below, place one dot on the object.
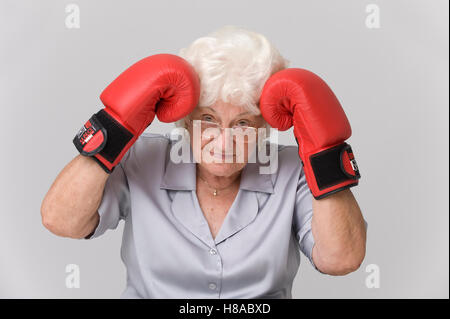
(302, 218)
(115, 204)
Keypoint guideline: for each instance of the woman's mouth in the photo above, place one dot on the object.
(222, 156)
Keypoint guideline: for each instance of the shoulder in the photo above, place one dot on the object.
(288, 164)
(288, 158)
(289, 154)
(148, 151)
(153, 139)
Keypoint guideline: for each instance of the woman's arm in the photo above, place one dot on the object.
(70, 207)
(339, 232)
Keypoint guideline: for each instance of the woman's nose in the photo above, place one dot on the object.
(225, 140)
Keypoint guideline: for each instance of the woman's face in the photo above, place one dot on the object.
(223, 152)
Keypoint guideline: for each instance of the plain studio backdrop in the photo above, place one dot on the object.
(387, 62)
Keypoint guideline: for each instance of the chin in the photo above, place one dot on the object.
(222, 169)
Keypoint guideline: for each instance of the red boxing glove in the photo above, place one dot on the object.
(301, 98)
(164, 84)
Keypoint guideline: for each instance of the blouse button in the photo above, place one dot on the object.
(212, 286)
(212, 251)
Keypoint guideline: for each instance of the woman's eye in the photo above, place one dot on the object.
(242, 123)
(207, 118)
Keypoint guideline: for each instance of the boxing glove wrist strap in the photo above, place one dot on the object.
(334, 166)
(103, 138)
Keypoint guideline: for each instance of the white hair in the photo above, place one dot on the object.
(233, 64)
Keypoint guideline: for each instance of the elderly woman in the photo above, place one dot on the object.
(215, 225)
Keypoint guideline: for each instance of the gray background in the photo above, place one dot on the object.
(392, 82)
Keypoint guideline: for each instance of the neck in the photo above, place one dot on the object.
(215, 181)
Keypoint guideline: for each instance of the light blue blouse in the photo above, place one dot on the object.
(167, 247)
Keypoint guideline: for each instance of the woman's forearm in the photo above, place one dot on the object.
(69, 208)
(339, 232)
